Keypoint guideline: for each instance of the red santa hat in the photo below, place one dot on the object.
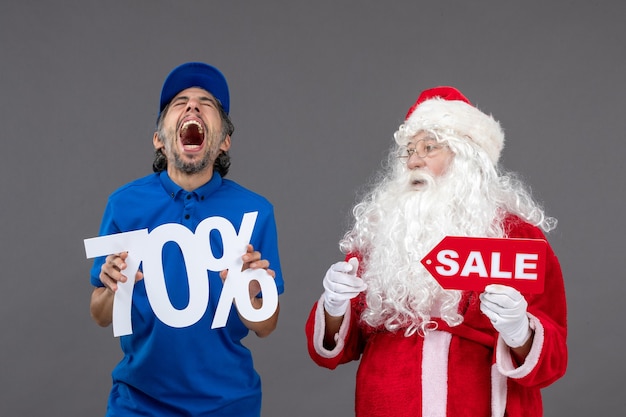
(447, 109)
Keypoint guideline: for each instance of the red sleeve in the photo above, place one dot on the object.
(547, 360)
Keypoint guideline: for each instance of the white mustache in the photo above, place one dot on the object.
(421, 177)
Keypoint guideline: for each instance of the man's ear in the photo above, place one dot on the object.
(156, 142)
(225, 145)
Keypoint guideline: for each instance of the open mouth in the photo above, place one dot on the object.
(191, 135)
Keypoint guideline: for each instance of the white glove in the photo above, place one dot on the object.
(506, 308)
(340, 286)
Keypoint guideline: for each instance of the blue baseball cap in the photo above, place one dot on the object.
(195, 74)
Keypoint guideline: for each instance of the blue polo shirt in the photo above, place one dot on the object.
(194, 370)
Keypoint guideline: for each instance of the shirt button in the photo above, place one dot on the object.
(187, 216)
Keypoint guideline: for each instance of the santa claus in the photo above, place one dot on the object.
(423, 350)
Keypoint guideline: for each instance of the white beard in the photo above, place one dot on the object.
(398, 226)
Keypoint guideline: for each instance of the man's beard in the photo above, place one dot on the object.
(192, 167)
(398, 226)
(175, 158)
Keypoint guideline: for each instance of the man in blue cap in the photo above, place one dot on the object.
(192, 369)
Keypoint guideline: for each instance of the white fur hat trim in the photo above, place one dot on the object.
(460, 118)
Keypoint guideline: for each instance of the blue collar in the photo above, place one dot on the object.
(202, 192)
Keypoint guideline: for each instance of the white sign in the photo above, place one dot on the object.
(146, 248)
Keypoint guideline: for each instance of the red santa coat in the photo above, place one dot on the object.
(465, 370)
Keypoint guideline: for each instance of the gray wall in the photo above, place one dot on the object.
(318, 89)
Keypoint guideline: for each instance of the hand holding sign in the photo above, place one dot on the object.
(469, 263)
(113, 271)
(252, 260)
(506, 308)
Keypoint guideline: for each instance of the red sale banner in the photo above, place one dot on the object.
(470, 263)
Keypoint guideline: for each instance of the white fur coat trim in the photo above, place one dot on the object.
(320, 329)
(435, 353)
(504, 361)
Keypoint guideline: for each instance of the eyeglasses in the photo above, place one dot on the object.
(423, 148)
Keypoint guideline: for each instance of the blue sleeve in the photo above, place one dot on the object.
(107, 227)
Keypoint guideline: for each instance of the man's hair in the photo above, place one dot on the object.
(222, 162)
